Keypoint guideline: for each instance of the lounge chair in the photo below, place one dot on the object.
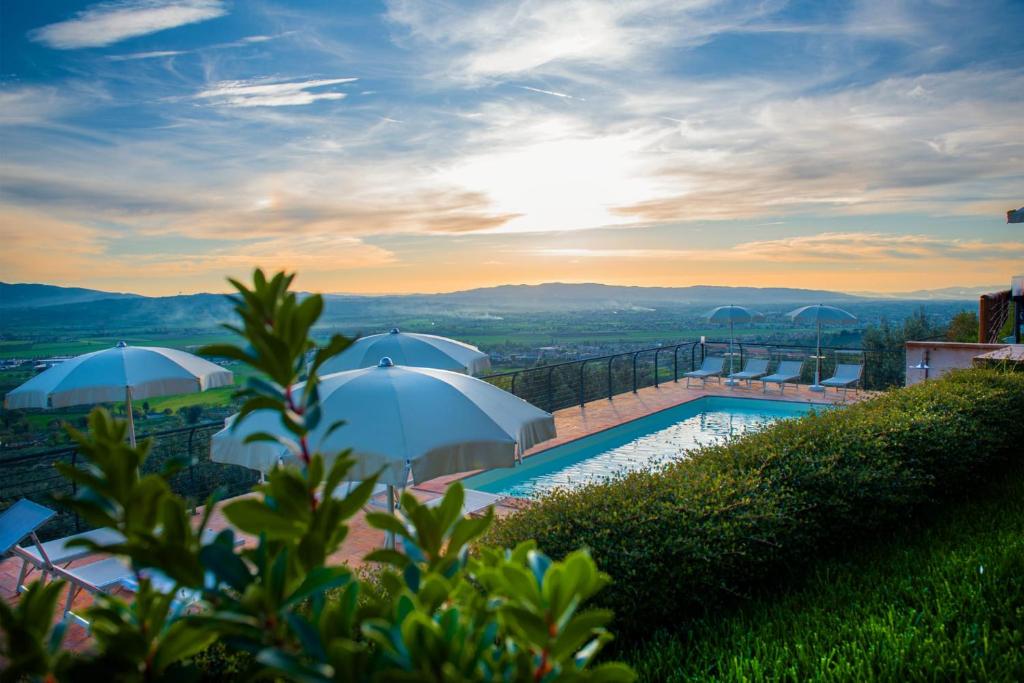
(755, 368)
(59, 552)
(846, 377)
(378, 498)
(711, 367)
(788, 371)
(474, 502)
(114, 572)
(18, 522)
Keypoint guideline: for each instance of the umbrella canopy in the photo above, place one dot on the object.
(407, 349)
(120, 373)
(821, 314)
(103, 376)
(733, 314)
(402, 419)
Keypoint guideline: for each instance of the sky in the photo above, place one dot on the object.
(158, 146)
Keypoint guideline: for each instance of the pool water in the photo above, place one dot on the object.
(646, 443)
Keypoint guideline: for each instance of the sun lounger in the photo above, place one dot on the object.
(846, 377)
(378, 498)
(20, 521)
(109, 573)
(59, 552)
(755, 368)
(788, 371)
(474, 502)
(711, 367)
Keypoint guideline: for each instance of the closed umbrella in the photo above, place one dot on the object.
(820, 314)
(409, 349)
(732, 315)
(120, 373)
(401, 421)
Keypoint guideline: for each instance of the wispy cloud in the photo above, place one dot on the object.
(155, 54)
(272, 93)
(111, 22)
(550, 92)
(834, 248)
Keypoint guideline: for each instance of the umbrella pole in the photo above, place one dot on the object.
(817, 363)
(731, 382)
(131, 415)
(389, 537)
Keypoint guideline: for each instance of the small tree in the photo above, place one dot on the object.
(444, 615)
(963, 327)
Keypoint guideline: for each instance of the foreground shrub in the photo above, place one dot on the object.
(734, 517)
(940, 600)
(506, 615)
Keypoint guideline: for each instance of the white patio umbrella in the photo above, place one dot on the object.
(820, 314)
(119, 373)
(401, 421)
(732, 315)
(408, 349)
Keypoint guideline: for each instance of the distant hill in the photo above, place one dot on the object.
(946, 293)
(32, 295)
(556, 294)
(44, 307)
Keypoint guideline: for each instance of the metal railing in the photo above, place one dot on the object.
(34, 476)
(550, 387)
(577, 382)
(993, 312)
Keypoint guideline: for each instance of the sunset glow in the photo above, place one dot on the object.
(156, 147)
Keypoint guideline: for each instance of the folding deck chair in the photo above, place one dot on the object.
(474, 502)
(754, 369)
(788, 371)
(711, 367)
(846, 377)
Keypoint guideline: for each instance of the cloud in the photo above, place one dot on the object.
(156, 54)
(111, 22)
(269, 93)
(86, 251)
(834, 248)
(551, 92)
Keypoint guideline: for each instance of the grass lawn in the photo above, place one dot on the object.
(940, 601)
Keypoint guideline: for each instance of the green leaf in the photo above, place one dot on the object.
(254, 517)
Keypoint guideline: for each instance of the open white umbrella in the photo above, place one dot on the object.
(409, 349)
(120, 373)
(820, 314)
(732, 315)
(401, 421)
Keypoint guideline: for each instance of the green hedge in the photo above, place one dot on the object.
(737, 517)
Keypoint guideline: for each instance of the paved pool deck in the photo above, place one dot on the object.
(570, 423)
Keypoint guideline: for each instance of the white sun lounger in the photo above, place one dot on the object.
(109, 573)
(755, 368)
(788, 371)
(846, 377)
(475, 501)
(21, 520)
(59, 552)
(378, 498)
(711, 367)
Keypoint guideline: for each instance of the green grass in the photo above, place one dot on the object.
(939, 602)
(73, 347)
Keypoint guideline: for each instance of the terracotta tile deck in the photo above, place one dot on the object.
(571, 423)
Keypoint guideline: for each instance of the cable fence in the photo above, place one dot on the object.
(34, 476)
(574, 383)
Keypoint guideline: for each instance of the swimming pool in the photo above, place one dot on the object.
(648, 442)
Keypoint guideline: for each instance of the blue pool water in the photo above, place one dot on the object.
(647, 443)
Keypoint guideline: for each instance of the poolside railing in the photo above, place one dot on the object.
(33, 475)
(577, 382)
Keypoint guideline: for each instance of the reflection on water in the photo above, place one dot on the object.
(649, 451)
